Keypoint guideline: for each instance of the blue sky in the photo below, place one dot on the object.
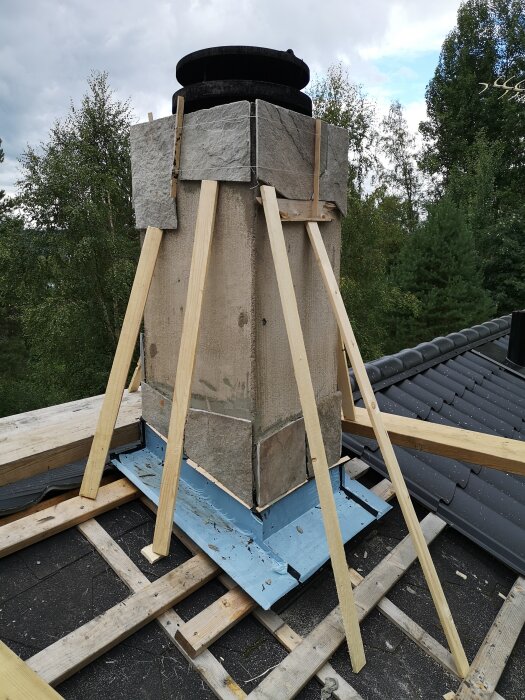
(49, 47)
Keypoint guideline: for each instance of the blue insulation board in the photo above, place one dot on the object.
(268, 552)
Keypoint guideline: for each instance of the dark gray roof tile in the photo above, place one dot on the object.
(450, 382)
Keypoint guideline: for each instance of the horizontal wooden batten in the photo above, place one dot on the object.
(457, 443)
(301, 210)
(77, 649)
(34, 442)
(45, 523)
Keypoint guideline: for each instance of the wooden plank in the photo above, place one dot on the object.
(294, 672)
(78, 648)
(343, 383)
(49, 502)
(197, 634)
(290, 640)
(176, 149)
(313, 427)
(387, 451)
(317, 166)
(412, 630)
(356, 468)
(185, 365)
(38, 526)
(301, 210)
(18, 681)
(492, 451)
(135, 380)
(272, 622)
(210, 669)
(121, 362)
(492, 656)
(33, 442)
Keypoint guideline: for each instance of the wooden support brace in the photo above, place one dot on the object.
(45, 523)
(185, 365)
(210, 624)
(492, 656)
(301, 210)
(77, 649)
(457, 443)
(317, 167)
(19, 682)
(176, 149)
(343, 383)
(135, 380)
(313, 427)
(387, 451)
(121, 362)
(294, 672)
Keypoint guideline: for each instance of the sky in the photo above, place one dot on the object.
(49, 47)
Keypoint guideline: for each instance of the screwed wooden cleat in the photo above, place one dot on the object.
(150, 555)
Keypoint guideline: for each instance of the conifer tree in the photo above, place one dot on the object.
(439, 266)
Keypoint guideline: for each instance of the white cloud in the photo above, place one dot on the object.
(49, 47)
(412, 28)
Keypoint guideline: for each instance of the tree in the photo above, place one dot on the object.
(371, 237)
(402, 176)
(17, 392)
(372, 230)
(488, 42)
(440, 267)
(75, 193)
(339, 101)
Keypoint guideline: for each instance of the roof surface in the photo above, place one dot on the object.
(453, 381)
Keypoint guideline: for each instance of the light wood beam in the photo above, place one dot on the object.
(78, 648)
(45, 523)
(492, 451)
(313, 427)
(121, 362)
(497, 646)
(185, 366)
(387, 451)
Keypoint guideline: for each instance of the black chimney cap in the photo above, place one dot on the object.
(224, 74)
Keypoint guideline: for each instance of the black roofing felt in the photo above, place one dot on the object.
(450, 381)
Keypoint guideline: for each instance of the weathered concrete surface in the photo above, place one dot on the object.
(277, 395)
(216, 144)
(243, 366)
(280, 462)
(151, 163)
(330, 418)
(285, 155)
(220, 444)
(224, 374)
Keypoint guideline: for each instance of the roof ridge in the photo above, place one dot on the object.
(389, 369)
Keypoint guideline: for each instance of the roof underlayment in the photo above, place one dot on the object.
(453, 381)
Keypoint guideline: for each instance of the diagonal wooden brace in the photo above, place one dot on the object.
(389, 457)
(121, 363)
(313, 428)
(185, 365)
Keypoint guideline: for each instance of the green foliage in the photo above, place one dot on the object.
(402, 176)
(371, 237)
(75, 193)
(339, 101)
(488, 42)
(440, 267)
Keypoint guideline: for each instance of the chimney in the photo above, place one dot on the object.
(516, 351)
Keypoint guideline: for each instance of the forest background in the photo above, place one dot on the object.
(434, 238)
